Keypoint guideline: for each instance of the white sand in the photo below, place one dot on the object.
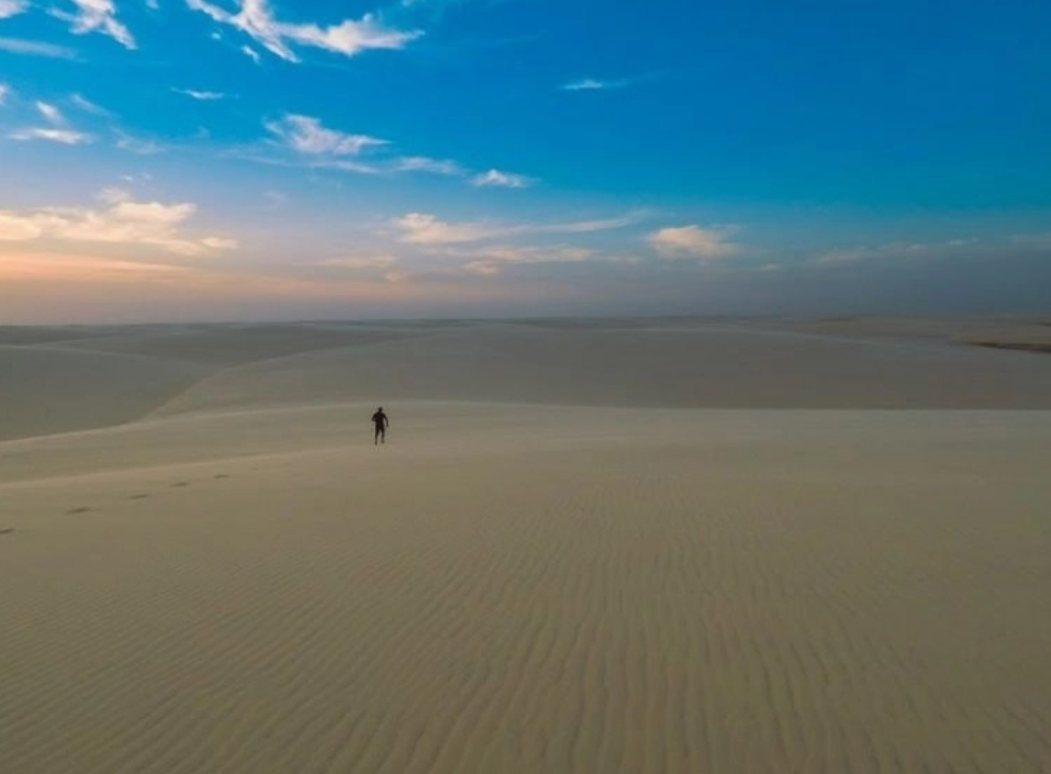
(638, 580)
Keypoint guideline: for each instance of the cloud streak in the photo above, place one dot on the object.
(36, 48)
(844, 256)
(426, 229)
(61, 136)
(595, 84)
(306, 135)
(95, 16)
(201, 96)
(348, 38)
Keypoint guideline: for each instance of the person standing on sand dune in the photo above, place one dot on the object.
(380, 423)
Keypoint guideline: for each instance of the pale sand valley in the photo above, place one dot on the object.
(647, 546)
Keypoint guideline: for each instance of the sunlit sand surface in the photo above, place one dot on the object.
(613, 546)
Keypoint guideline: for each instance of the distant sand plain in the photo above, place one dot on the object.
(599, 547)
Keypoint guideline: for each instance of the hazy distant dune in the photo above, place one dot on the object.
(234, 344)
(960, 330)
(714, 366)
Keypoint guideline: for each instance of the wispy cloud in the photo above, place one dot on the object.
(497, 179)
(695, 242)
(10, 8)
(4, 91)
(424, 164)
(427, 229)
(490, 261)
(304, 141)
(252, 54)
(841, 256)
(36, 48)
(304, 134)
(50, 113)
(139, 145)
(95, 16)
(348, 38)
(595, 84)
(1040, 241)
(59, 130)
(201, 96)
(124, 222)
(62, 136)
(82, 103)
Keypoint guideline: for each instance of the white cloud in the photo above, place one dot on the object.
(348, 38)
(585, 84)
(424, 164)
(10, 8)
(88, 106)
(4, 91)
(201, 96)
(96, 16)
(695, 242)
(306, 135)
(62, 136)
(50, 113)
(252, 54)
(496, 178)
(421, 228)
(36, 48)
(123, 222)
(594, 84)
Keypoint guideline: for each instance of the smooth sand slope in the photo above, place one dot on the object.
(237, 580)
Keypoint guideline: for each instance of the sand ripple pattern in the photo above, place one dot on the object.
(668, 609)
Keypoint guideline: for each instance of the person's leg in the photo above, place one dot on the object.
(376, 436)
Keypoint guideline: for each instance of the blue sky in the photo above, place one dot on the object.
(260, 159)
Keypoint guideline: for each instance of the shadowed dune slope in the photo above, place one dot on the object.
(45, 390)
(652, 367)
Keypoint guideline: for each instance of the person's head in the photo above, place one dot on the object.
(380, 408)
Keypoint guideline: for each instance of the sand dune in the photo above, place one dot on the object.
(242, 582)
(653, 367)
(44, 389)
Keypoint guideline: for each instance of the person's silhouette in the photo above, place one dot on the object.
(380, 423)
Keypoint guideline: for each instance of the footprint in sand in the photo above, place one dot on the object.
(74, 511)
(180, 483)
(7, 531)
(140, 496)
(221, 475)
